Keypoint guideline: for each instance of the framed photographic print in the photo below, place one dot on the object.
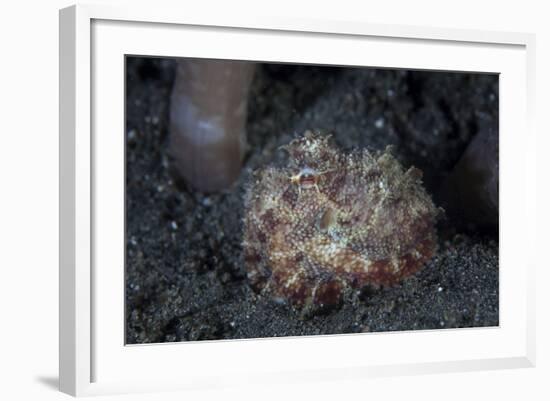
(267, 199)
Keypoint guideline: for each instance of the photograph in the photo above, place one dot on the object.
(282, 200)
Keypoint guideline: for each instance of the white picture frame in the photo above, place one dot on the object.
(93, 357)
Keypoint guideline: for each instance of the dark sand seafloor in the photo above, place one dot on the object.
(185, 277)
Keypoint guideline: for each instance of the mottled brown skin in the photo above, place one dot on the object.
(330, 222)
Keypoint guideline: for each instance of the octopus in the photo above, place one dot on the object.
(329, 223)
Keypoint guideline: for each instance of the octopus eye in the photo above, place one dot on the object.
(307, 179)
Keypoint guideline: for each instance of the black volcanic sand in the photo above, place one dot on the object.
(185, 274)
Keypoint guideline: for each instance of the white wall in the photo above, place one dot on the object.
(29, 185)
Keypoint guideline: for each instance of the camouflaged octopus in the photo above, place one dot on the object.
(331, 222)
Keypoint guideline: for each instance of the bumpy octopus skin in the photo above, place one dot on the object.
(331, 222)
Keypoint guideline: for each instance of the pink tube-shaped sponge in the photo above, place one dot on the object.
(207, 121)
(471, 191)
